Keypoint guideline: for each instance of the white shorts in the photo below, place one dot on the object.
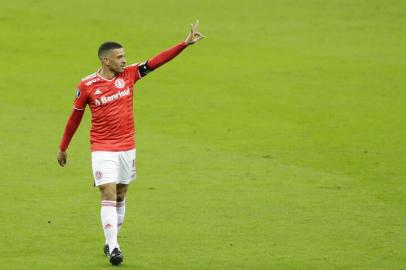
(113, 167)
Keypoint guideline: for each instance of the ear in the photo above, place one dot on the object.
(106, 60)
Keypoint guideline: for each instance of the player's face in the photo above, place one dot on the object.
(116, 61)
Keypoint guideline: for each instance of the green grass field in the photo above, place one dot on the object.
(278, 142)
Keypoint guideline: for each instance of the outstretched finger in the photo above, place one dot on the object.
(196, 25)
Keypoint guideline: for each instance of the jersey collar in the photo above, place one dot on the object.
(98, 74)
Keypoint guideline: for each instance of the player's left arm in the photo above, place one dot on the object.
(167, 55)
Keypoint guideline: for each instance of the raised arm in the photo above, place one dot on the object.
(167, 55)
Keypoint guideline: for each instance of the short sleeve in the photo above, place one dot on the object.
(81, 99)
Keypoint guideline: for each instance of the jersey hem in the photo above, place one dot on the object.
(112, 149)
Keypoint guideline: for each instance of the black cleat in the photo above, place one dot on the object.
(106, 250)
(116, 257)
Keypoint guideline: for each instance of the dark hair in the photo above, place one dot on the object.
(109, 45)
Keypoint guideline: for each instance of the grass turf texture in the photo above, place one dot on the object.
(276, 143)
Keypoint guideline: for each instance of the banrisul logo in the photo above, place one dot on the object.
(119, 94)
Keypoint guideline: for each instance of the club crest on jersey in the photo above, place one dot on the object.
(119, 83)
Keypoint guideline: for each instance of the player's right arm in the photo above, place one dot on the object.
(73, 123)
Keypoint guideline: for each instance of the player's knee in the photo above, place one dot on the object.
(108, 192)
(121, 195)
(109, 196)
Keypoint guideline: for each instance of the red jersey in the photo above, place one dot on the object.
(111, 104)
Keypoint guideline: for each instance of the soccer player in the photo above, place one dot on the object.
(109, 94)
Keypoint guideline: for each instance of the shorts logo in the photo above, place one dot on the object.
(98, 175)
(119, 83)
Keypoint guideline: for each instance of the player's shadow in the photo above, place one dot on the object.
(125, 265)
